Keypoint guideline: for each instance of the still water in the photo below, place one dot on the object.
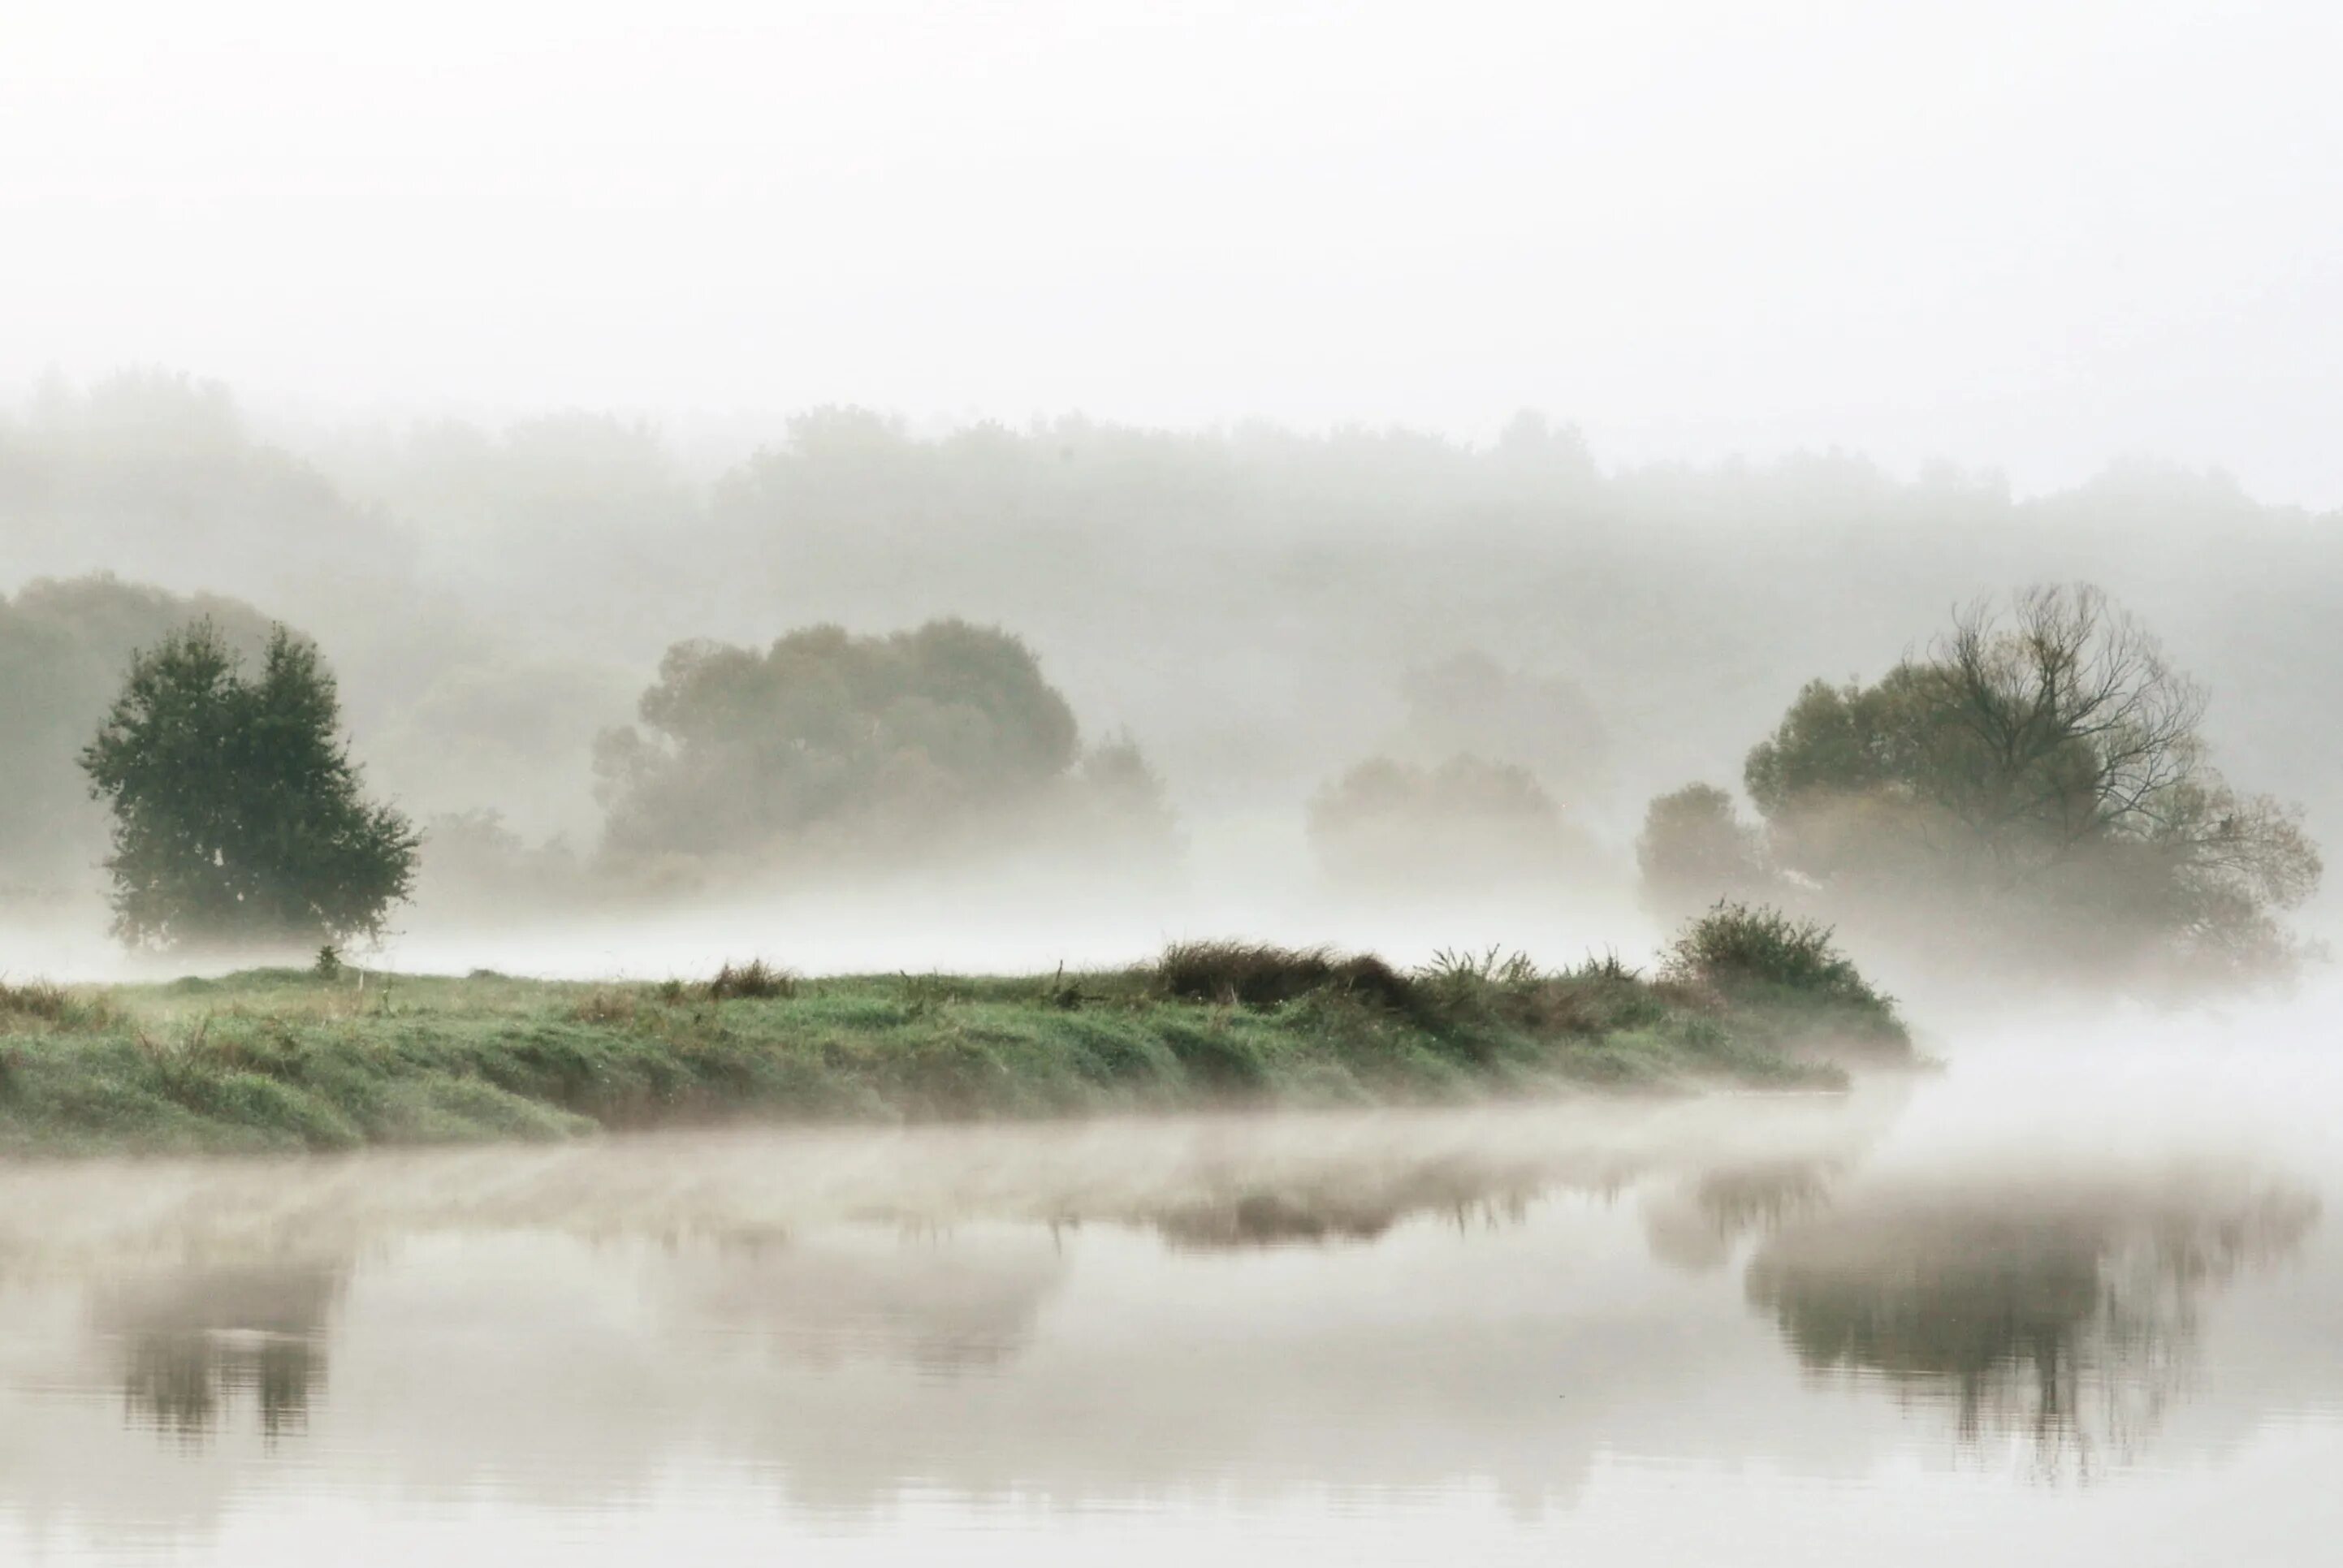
(2076, 1299)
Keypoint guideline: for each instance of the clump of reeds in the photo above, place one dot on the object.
(755, 981)
(43, 1001)
(1260, 974)
(1735, 946)
(605, 1005)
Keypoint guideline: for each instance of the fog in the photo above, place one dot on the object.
(1405, 448)
(1258, 617)
(2101, 1280)
(879, 487)
(1969, 232)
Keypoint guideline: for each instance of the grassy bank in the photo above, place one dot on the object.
(282, 1059)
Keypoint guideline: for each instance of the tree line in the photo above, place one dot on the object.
(2034, 786)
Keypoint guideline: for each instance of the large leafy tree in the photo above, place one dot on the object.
(834, 741)
(238, 816)
(62, 647)
(2044, 765)
(1466, 823)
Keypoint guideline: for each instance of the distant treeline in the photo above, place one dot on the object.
(1343, 627)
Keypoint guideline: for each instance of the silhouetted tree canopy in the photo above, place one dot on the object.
(1465, 823)
(237, 815)
(1469, 703)
(830, 739)
(2039, 775)
(64, 646)
(1695, 849)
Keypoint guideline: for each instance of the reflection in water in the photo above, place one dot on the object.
(1696, 1225)
(2062, 1310)
(194, 1343)
(1247, 1310)
(1463, 1194)
(904, 1298)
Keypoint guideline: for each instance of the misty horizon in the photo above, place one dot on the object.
(1980, 236)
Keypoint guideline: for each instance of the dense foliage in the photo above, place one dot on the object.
(1694, 846)
(828, 741)
(237, 813)
(64, 646)
(1753, 955)
(1465, 823)
(2037, 780)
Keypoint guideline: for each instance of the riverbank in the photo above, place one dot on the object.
(273, 1060)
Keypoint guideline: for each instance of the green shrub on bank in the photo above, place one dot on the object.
(1259, 974)
(1762, 961)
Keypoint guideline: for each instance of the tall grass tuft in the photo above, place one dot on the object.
(1755, 956)
(45, 1002)
(755, 981)
(1260, 974)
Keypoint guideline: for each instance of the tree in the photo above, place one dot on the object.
(1464, 824)
(885, 746)
(1696, 849)
(237, 814)
(1469, 703)
(62, 648)
(2044, 761)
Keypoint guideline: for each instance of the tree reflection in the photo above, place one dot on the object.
(2062, 1314)
(1365, 1212)
(195, 1344)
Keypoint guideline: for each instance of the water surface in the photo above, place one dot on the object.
(2074, 1299)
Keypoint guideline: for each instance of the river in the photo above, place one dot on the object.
(2076, 1298)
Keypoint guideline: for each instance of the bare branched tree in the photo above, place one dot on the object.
(2062, 723)
(2044, 754)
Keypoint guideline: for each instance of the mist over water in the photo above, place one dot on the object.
(894, 490)
(2033, 1293)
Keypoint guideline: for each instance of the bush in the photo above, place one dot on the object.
(36, 999)
(43, 1001)
(1259, 974)
(1768, 964)
(755, 981)
(1735, 946)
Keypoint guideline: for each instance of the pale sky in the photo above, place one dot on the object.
(2032, 235)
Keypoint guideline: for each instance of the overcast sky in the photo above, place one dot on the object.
(2016, 233)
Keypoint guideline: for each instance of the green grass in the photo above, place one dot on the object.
(288, 1059)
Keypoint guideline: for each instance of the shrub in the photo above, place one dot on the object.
(1259, 974)
(1770, 964)
(35, 999)
(43, 1001)
(1491, 966)
(1735, 945)
(603, 1005)
(755, 981)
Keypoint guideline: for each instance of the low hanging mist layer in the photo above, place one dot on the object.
(995, 698)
